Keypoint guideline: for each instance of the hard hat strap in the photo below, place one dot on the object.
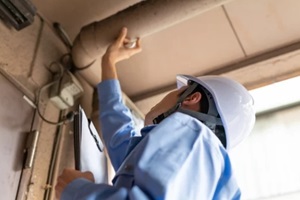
(211, 120)
(213, 123)
(185, 94)
(192, 86)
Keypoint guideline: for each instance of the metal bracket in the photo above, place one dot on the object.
(30, 149)
(18, 13)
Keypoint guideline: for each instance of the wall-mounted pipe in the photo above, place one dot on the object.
(142, 19)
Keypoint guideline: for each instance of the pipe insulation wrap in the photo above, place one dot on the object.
(142, 19)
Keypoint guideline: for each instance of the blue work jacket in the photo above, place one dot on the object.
(179, 159)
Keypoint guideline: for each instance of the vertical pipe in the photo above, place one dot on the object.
(53, 162)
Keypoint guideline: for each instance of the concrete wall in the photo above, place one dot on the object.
(24, 57)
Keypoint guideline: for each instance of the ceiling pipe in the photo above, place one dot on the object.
(142, 19)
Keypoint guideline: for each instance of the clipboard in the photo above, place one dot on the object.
(88, 148)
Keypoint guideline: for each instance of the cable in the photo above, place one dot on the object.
(63, 35)
(67, 61)
(67, 41)
(69, 116)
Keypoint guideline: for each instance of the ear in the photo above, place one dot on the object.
(193, 99)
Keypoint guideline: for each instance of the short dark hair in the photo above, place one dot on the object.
(204, 101)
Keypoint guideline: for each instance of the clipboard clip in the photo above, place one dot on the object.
(94, 136)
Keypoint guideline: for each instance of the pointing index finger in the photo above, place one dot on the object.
(122, 36)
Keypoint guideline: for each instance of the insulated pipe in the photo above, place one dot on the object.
(142, 19)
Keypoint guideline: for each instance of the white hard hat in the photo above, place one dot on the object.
(234, 103)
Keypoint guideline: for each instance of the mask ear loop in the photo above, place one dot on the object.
(185, 94)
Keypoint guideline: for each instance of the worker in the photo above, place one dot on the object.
(181, 153)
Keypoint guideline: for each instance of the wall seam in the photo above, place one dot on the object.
(234, 31)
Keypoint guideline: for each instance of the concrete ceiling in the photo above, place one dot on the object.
(237, 31)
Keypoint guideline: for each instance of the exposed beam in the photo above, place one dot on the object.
(229, 68)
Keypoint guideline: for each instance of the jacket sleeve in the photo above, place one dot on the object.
(84, 189)
(116, 121)
(179, 159)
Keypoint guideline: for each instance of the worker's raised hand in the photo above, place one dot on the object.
(120, 50)
(67, 177)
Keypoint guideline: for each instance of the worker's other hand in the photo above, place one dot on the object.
(119, 50)
(67, 177)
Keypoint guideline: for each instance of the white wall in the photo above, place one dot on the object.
(267, 164)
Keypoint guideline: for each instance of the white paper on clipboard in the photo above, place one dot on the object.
(91, 149)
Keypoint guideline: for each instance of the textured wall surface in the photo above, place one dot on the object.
(24, 57)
